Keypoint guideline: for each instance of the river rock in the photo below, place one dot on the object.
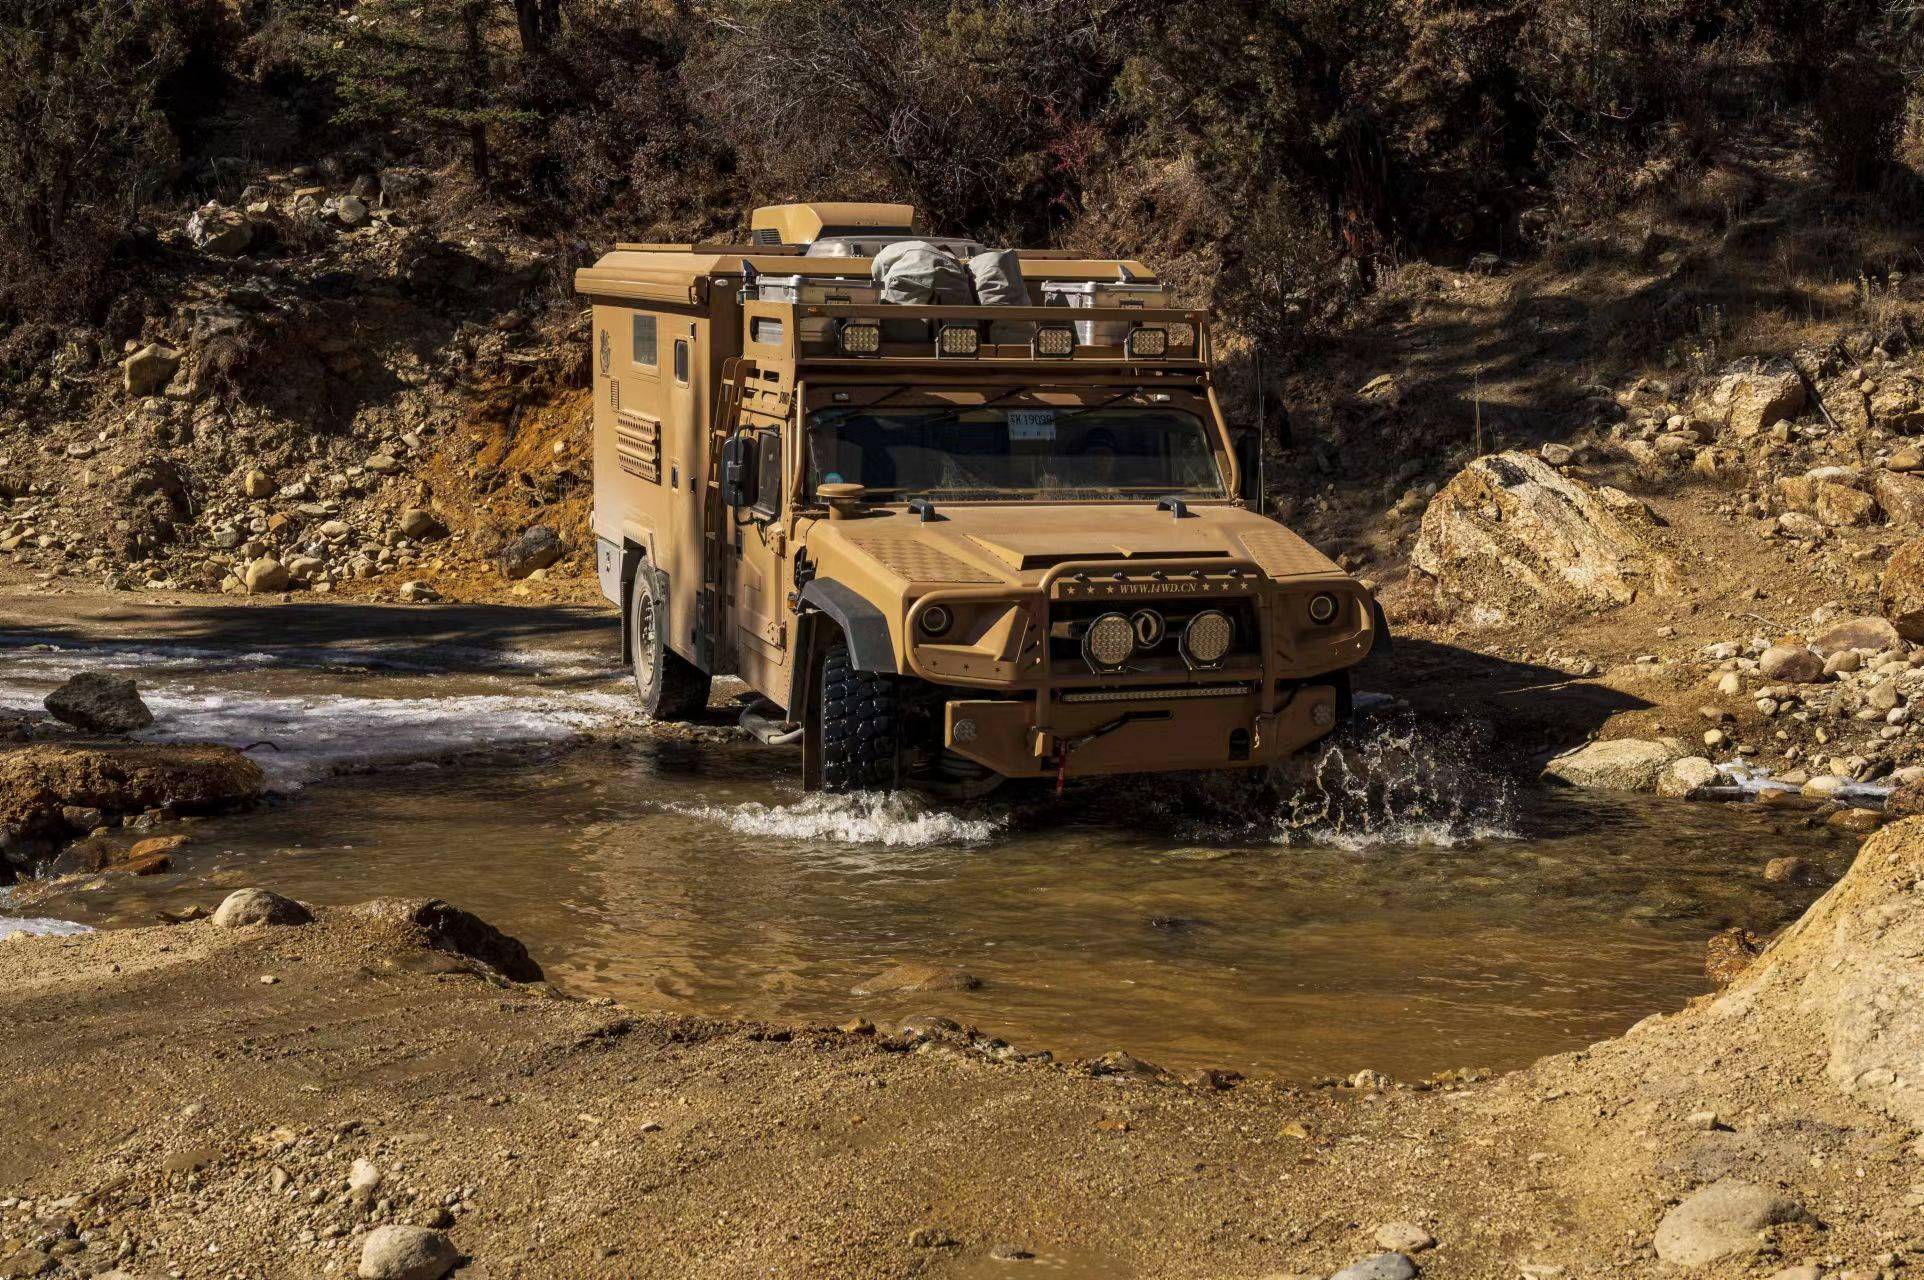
(265, 576)
(1791, 663)
(445, 927)
(1621, 764)
(537, 548)
(257, 484)
(406, 1253)
(1720, 1220)
(915, 978)
(1874, 634)
(1688, 778)
(245, 907)
(1785, 870)
(1511, 534)
(148, 371)
(351, 210)
(1900, 594)
(1404, 1237)
(99, 703)
(1383, 1266)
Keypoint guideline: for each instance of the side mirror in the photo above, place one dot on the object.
(739, 470)
(1248, 443)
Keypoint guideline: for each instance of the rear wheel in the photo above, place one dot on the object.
(669, 686)
(861, 726)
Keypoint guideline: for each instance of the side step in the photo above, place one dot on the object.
(765, 720)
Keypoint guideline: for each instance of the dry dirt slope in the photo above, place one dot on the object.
(171, 1107)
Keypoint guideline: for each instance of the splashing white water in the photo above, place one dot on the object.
(10, 925)
(1396, 782)
(897, 820)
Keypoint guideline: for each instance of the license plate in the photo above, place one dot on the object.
(1032, 424)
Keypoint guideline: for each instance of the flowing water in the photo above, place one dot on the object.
(1392, 904)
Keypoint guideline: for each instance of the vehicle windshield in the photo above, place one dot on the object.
(996, 451)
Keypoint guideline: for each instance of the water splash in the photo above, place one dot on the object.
(1393, 780)
(897, 820)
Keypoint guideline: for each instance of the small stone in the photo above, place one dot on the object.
(257, 484)
(1798, 1273)
(351, 210)
(930, 1238)
(382, 464)
(1704, 1121)
(1857, 821)
(1786, 870)
(1383, 1266)
(419, 592)
(536, 548)
(245, 907)
(406, 1253)
(1009, 1253)
(419, 524)
(148, 371)
(1848, 660)
(99, 703)
(1404, 1237)
(1722, 1219)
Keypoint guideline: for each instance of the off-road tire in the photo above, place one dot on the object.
(668, 685)
(861, 726)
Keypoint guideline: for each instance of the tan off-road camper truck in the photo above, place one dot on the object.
(948, 538)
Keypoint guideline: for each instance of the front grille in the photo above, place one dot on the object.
(1069, 619)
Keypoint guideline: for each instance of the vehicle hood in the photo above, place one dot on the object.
(1019, 542)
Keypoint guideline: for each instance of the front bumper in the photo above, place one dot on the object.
(1140, 732)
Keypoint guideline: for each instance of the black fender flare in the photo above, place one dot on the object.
(1382, 643)
(870, 646)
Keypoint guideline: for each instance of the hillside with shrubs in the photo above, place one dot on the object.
(290, 279)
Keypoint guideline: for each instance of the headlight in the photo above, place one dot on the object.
(859, 337)
(1208, 637)
(1147, 343)
(1055, 342)
(1109, 642)
(957, 340)
(935, 620)
(1182, 335)
(1322, 609)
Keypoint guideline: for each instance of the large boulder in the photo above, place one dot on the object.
(1873, 634)
(38, 782)
(1747, 399)
(99, 703)
(1510, 534)
(1722, 1219)
(148, 371)
(537, 548)
(265, 576)
(1901, 593)
(1621, 764)
(1852, 966)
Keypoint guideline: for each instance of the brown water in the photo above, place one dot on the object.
(1407, 913)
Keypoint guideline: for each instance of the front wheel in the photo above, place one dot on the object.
(669, 686)
(861, 726)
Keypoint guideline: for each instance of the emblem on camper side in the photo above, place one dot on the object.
(607, 353)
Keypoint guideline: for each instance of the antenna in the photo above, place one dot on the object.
(1262, 439)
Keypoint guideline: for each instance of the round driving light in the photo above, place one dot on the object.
(1322, 715)
(1208, 637)
(1109, 641)
(1322, 609)
(935, 620)
(965, 730)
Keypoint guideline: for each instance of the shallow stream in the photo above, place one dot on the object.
(1405, 910)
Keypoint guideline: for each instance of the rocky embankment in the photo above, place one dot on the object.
(325, 387)
(391, 1091)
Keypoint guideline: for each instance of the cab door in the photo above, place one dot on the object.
(760, 556)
